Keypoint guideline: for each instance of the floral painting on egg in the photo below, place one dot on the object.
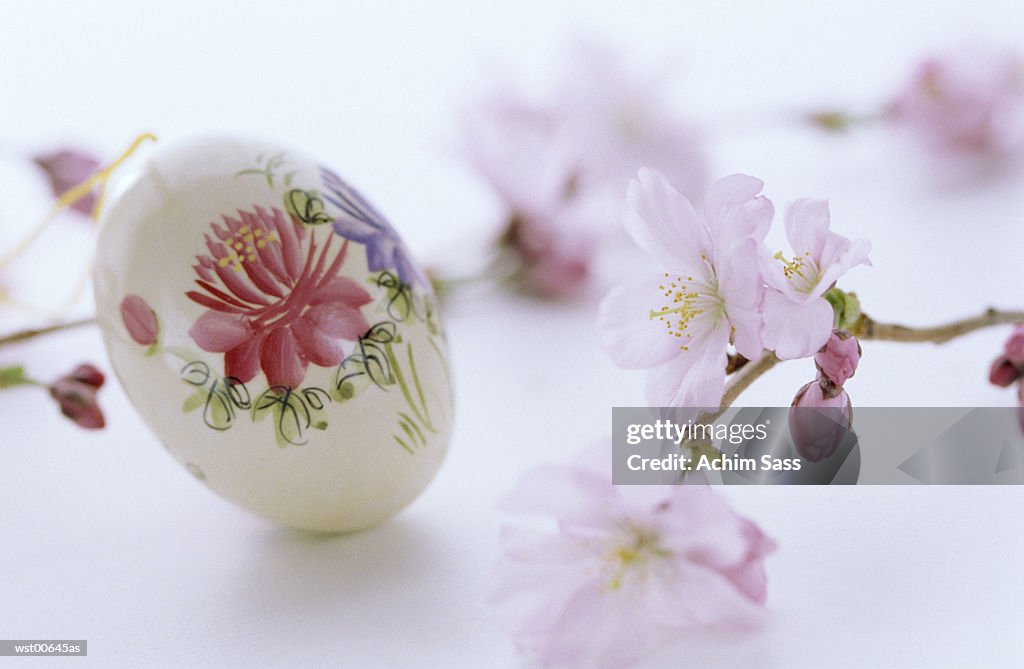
(277, 303)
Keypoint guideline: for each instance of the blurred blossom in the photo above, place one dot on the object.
(560, 166)
(624, 569)
(679, 321)
(140, 320)
(88, 375)
(555, 260)
(67, 168)
(618, 121)
(797, 317)
(969, 101)
(76, 395)
(837, 360)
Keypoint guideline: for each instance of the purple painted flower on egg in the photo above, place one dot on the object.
(360, 222)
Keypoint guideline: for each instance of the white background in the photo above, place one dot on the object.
(105, 538)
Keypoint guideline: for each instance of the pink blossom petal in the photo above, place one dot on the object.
(664, 224)
(840, 255)
(747, 324)
(735, 212)
(526, 545)
(218, 332)
(628, 334)
(572, 495)
(774, 275)
(748, 575)
(280, 359)
(807, 227)
(695, 378)
(740, 286)
(530, 599)
(694, 595)
(597, 629)
(793, 329)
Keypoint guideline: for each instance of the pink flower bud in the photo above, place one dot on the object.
(1014, 347)
(1003, 372)
(66, 169)
(818, 423)
(77, 401)
(837, 360)
(139, 320)
(88, 375)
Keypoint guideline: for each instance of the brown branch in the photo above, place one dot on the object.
(24, 335)
(867, 328)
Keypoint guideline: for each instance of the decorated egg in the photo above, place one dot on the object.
(273, 331)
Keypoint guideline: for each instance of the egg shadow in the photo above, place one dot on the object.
(294, 576)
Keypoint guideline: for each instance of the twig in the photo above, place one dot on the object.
(38, 332)
(868, 328)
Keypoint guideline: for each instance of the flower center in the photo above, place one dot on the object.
(632, 553)
(802, 272)
(687, 298)
(242, 246)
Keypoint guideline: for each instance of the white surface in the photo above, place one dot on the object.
(105, 538)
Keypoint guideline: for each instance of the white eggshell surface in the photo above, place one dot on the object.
(271, 328)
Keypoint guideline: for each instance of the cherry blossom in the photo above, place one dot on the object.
(625, 569)
(560, 164)
(679, 321)
(797, 318)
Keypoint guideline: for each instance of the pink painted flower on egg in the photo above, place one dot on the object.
(275, 300)
(140, 320)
